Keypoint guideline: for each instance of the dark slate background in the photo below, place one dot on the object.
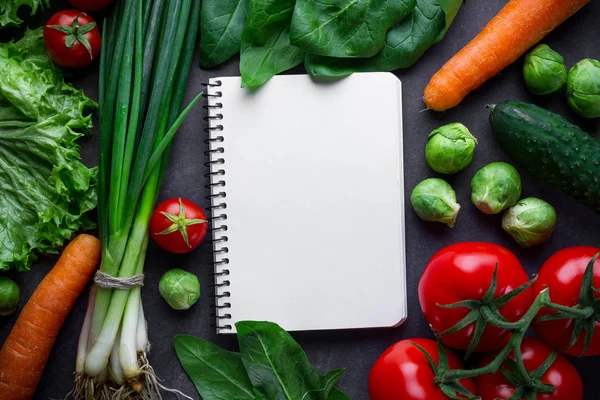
(356, 351)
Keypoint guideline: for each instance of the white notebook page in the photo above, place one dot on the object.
(315, 202)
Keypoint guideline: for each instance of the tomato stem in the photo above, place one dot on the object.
(584, 314)
(75, 33)
(518, 328)
(486, 311)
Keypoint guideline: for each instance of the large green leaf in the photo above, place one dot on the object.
(337, 394)
(217, 374)
(404, 44)
(221, 26)
(10, 8)
(266, 49)
(278, 367)
(45, 190)
(346, 28)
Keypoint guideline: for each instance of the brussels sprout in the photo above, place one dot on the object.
(530, 222)
(583, 88)
(434, 200)
(9, 296)
(496, 187)
(179, 288)
(544, 71)
(450, 148)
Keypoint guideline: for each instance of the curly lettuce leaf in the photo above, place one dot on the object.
(45, 190)
(10, 8)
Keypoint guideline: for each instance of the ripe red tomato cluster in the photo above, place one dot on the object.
(461, 275)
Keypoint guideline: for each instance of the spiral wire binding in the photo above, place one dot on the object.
(218, 205)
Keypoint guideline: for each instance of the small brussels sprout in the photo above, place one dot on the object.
(496, 187)
(583, 88)
(530, 222)
(9, 296)
(450, 148)
(544, 71)
(434, 200)
(179, 288)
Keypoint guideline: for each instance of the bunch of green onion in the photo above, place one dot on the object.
(148, 46)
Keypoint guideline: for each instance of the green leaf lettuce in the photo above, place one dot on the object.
(10, 8)
(45, 191)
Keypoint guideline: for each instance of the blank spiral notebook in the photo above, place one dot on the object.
(308, 202)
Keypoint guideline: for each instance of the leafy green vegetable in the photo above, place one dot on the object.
(46, 190)
(10, 8)
(405, 43)
(266, 49)
(346, 28)
(217, 374)
(222, 23)
(271, 366)
(268, 351)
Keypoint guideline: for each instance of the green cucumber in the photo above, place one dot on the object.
(551, 148)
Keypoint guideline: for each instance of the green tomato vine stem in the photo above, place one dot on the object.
(518, 329)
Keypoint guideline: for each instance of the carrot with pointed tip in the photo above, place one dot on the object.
(27, 348)
(517, 27)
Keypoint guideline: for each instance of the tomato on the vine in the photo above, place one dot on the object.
(561, 374)
(91, 5)
(563, 275)
(72, 38)
(463, 272)
(178, 225)
(403, 372)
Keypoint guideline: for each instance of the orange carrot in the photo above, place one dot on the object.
(26, 350)
(517, 27)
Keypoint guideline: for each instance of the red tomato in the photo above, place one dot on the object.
(178, 226)
(91, 5)
(403, 372)
(563, 274)
(72, 38)
(561, 374)
(464, 271)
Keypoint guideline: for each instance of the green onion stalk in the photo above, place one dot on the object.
(146, 57)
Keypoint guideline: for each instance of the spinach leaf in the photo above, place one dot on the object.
(222, 23)
(217, 374)
(329, 381)
(346, 28)
(405, 43)
(266, 49)
(337, 394)
(278, 367)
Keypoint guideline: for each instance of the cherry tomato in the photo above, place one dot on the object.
(561, 374)
(563, 274)
(91, 5)
(178, 226)
(464, 271)
(72, 38)
(403, 372)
